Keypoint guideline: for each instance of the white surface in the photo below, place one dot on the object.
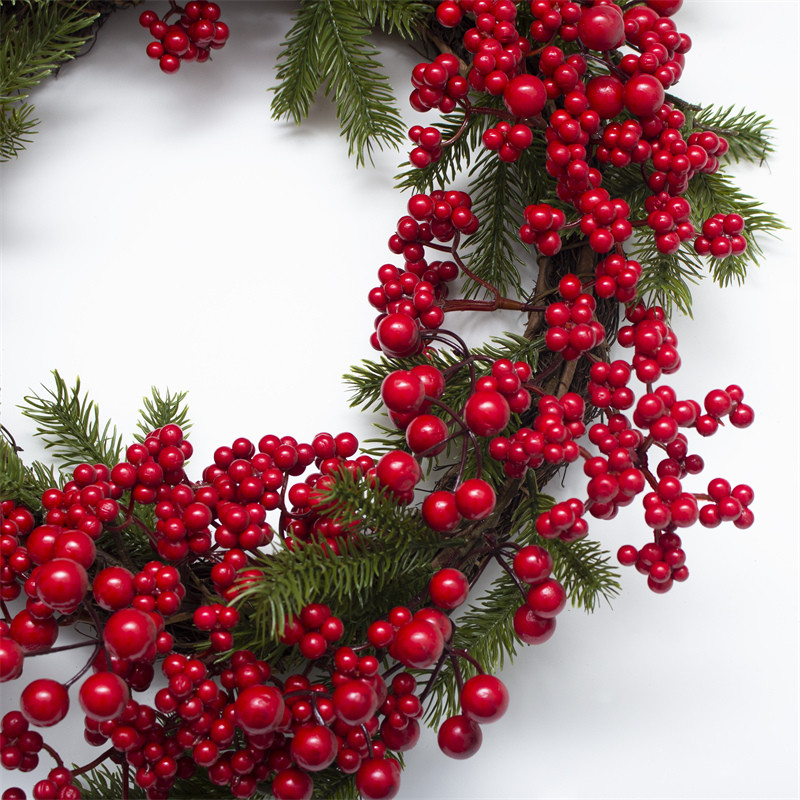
(164, 230)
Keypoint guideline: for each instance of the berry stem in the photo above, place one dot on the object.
(459, 653)
(64, 647)
(92, 764)
(53, 753)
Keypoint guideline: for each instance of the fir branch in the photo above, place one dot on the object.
(403, 16)
(23, 484)
(159, 410)
(35, 39)
(456, 157)
(717, 194)
(665, 279)
(747, 134)
(585, 570)
(298, 71)
(328, 47)
(102, 783)
(69, 424)
(390, 558)
(17, 124)
(497, 202)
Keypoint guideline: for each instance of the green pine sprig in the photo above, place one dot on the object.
(749, 134)
(36, 38)
(390, 558)
(22, 483)
(456, 158)
(498, 200)
(328, 48)
(159, 410)
(69, 424)
(404, 17)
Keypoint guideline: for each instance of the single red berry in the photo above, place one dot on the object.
(475, 499)
(525, 96)
(459, 737)
(484, 698)
(103, 696)
(44, 702)
(448, 588)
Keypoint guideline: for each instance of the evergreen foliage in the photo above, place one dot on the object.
(159, 410)
(391, 558)
(327, 48)
(36, 38)
(69, 424)
(22, 483)
(394, 553)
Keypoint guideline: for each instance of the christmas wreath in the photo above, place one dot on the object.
(288, 619)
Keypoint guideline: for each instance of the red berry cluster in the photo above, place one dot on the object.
(551, 439)
(560, 73)
(608, 120)
(572, 327)
(554, 17)
(438, 84)
(617, 277)
(197, 32)
(662, 561)
(413, 298)
(535, 619)
(721, 236)
(622, 143)
(508, 140)
(653, 341)
(542, 224)
(604, 221)
(313, 631)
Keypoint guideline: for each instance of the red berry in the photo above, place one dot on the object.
(459, 737)
(314, 747)
(601, 27)
(399, 336)
(487, 413)
(484, 698)
(525, 96)
(418, 644)
(259, 709)
(103, 696)
(475, 499)
(440, 512)
(398, 471)
(129, 634)
(448, 588)
(44, 702)
(378, 779)
(531, 628)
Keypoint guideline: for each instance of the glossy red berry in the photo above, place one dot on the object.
(129, 633)
(44, 702)
(525, 96)
(487, 413)
(259, 709)
(475, 499)
(459, 737)
(484, 698)
(103, 696)
(418, 644)
(314, 747)
(378, 779)
(448, 588)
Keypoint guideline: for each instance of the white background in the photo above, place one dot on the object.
(164, 230)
